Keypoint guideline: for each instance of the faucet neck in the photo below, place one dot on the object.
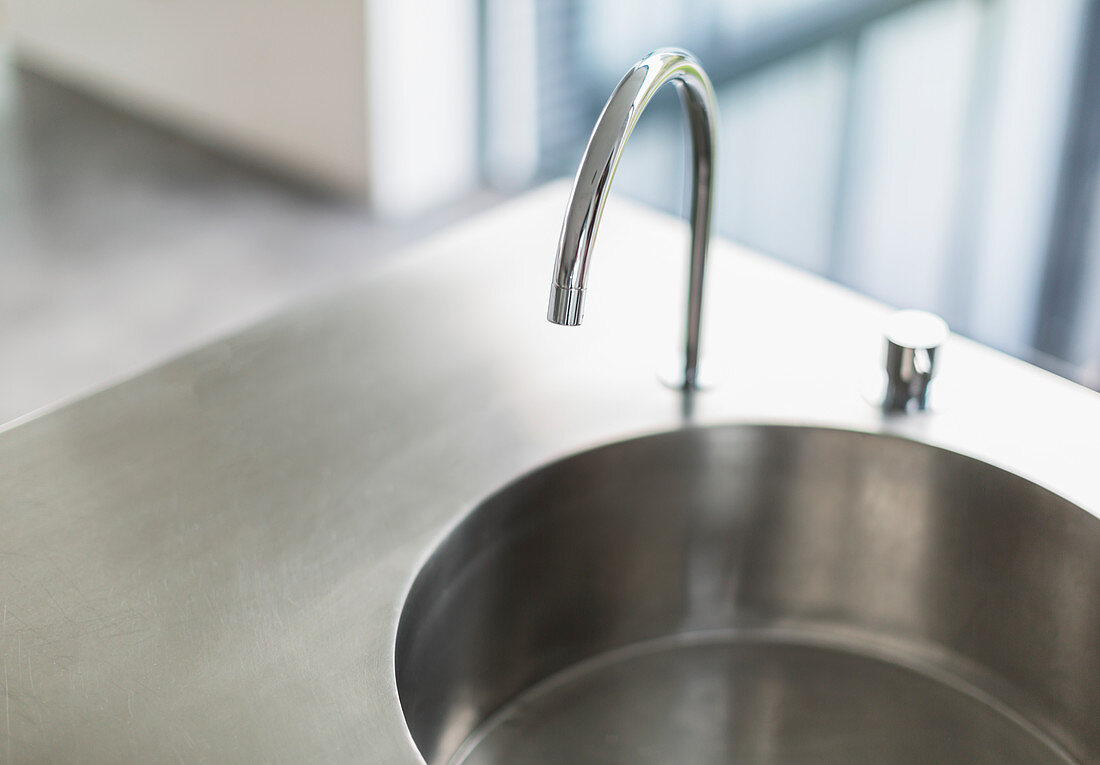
(597, 168)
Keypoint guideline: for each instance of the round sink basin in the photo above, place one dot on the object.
(759, 594)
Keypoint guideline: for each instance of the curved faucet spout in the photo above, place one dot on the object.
(593, 181)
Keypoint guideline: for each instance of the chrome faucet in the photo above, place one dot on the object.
(593, 181)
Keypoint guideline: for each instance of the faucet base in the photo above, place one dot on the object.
(674, 376)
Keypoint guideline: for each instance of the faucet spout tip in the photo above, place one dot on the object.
(566, 305)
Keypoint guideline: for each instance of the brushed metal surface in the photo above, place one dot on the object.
(208, 563)
(759, 594)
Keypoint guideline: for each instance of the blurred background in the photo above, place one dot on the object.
(172, 170)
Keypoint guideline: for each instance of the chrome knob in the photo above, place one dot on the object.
(912, 338)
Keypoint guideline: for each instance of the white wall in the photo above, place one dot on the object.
(422, 102)
(371, 97)
(278, 81)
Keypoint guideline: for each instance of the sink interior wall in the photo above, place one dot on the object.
(719, 528)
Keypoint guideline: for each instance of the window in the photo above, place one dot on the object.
(939, 154)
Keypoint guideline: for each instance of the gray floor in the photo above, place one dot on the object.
(122, 245)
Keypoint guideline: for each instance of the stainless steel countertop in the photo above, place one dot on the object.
(207, 563)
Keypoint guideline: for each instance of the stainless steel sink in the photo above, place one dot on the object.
(759, 594)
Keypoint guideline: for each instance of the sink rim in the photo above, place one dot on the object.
(445, 530)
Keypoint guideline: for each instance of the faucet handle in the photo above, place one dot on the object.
(912, 338)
